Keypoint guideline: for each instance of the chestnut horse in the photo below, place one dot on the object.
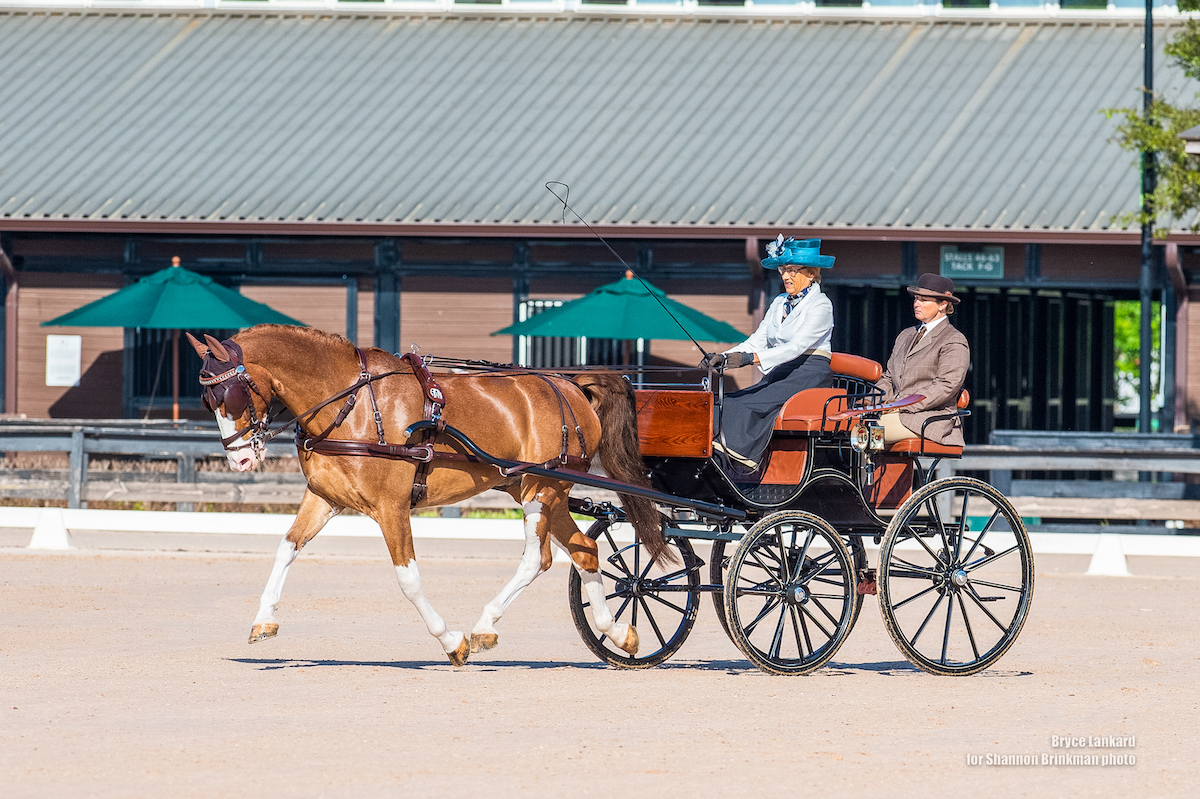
(514, 416)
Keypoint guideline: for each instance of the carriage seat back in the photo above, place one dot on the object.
(807, 411)
(841, 363)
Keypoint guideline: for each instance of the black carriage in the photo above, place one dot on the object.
(788, 569)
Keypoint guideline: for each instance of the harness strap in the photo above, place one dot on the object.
(425, 454)
(563, 403)
(435, 400)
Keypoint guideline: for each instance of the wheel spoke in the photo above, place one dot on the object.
(818, 566)
(832, 619)
(919, 540)
(986, 529)
(777, 639)
(914, 596)
(989, 559)
(773, 574)
(962, 607)
(795, 574)
(937, 518)
(804, 628)
(962, 526)
(662, 641)
(983, 607)
(614, 577)
(921, 629)
(804, 609)
(1001, 586)
(946, 634)
(796, 632)
(670, 605)
(617, 558)
(924, 571)
(770, 604)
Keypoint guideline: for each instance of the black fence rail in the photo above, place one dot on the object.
(1094, 478)
(1103, 478)
(184, 443)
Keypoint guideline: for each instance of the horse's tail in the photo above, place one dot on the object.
(612, 397)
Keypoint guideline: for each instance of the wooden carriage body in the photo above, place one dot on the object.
(809, 464)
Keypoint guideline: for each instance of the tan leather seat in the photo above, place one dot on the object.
(913, 445)
(805, 411)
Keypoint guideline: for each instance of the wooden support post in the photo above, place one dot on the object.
(185, 472)
(387, 295)
(351, 308)
(10, 284)
(78, 469)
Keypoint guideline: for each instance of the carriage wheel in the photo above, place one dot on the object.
(955, 576)
(661, 603)
(790, 593)
(718, 567)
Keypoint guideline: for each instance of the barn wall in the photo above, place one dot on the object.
(42, 297)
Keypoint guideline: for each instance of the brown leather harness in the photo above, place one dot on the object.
(226, 382)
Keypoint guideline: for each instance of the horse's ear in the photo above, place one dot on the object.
(200, 349)
(216, 348)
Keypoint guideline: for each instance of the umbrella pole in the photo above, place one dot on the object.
(175, 375)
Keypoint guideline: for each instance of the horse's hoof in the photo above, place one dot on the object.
(459, 656)
(483, 641)
(631, 642)
(262, 632)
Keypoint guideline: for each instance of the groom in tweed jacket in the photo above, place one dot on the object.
(930, 359)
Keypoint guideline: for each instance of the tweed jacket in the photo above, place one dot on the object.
(936, 368)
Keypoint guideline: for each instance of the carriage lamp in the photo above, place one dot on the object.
(866, 436)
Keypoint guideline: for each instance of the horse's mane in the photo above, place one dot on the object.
(314, 335)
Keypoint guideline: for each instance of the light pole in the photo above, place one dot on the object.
(1145, 284)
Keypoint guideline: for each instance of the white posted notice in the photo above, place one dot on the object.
(63, 355)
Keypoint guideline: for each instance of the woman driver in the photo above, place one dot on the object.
(791, 346)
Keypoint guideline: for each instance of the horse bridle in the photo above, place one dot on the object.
(228, 383)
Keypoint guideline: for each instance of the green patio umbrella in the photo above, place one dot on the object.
(626, 309)
(172, 299)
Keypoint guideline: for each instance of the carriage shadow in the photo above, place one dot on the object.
(271, 664)
(894, 668)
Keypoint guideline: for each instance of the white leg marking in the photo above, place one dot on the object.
(593, 586)
(284, 556)
(530, 568)
(410, 583)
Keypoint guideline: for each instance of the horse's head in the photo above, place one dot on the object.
(238, 401)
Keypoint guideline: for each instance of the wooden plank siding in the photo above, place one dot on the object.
(43, 297)
(454, 316)
(322, 307)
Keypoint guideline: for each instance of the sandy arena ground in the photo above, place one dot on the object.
(124, 672)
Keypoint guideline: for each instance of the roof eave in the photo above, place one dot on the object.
(560, 231)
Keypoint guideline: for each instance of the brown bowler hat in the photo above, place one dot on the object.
(936, 286)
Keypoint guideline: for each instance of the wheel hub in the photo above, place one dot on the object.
(959, 578)
(795, 595)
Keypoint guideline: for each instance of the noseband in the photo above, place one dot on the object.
(228, 383)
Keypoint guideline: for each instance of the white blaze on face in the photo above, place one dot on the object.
(243, 457)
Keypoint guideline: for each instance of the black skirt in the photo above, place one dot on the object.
(748, 416)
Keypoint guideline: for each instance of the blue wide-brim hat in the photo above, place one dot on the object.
(805, 252)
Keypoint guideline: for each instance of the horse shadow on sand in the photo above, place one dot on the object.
(894, 668)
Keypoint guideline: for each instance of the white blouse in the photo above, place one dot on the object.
(807, 330)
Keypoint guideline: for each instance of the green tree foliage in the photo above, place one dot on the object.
(1176, 195)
